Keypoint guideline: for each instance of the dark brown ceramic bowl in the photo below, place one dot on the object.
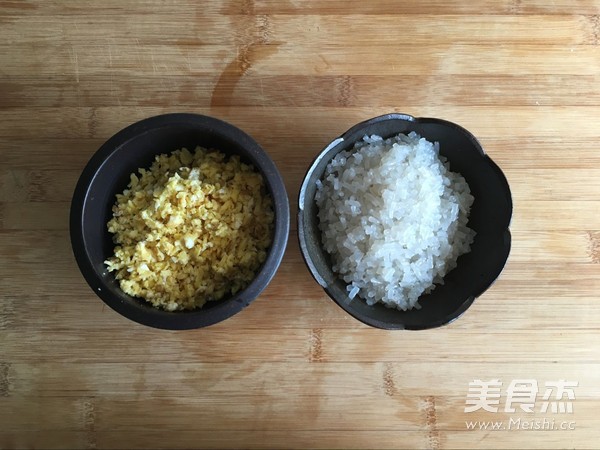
(107, 173)
(490, 218)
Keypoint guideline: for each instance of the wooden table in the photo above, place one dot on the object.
(294, 370)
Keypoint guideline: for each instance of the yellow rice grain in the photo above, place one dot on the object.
(194, 227)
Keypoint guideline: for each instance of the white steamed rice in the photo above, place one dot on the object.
(394, 218)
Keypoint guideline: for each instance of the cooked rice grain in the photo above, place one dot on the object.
(394, 218)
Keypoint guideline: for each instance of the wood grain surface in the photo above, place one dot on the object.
(293, 369)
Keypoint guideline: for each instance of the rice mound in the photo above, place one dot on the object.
(394, 218)
(194, 227)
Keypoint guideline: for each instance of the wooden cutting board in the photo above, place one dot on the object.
(293, 370)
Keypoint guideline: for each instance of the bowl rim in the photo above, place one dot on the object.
(181, 320)
(461, 309)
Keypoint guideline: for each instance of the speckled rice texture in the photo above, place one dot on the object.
(194, 227)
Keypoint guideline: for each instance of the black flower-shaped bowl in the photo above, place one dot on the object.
(490, 217)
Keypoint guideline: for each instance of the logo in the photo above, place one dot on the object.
(521, 396)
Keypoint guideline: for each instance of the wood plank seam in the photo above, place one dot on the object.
(594, 246)
(7, 313)
(316, 350)
(4, 379)
(89, 422)
(515, 7)
(389, 385)
(433, 435)
(595, 24)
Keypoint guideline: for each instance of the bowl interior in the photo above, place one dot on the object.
(107, 174)
(489, 217)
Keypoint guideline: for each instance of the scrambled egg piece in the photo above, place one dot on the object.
(194, 227)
